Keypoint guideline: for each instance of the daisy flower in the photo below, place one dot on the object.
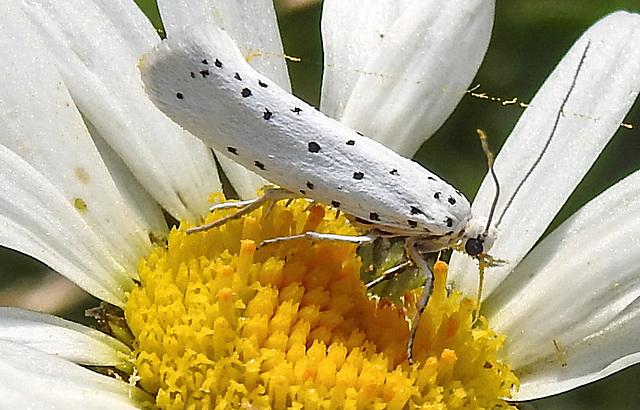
(89, 166)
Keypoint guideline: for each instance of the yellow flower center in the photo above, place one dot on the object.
(218, 322)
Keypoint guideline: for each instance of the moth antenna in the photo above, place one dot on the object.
(490, 160)
(553, 131)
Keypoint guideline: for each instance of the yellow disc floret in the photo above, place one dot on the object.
(222, 323)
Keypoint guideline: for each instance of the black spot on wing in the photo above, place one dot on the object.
(374, 216)
(309, 185)
(437, 195)
(303, 192)
(245, 92)
(416, 211)
(262, 84)
(179, 96)
(449, 222)
(314, 147)
(431, 178)
(335, 204)
(394, 172)
(217, 63)
(206, 62)
(296, 110)
(232, 150)
(358, 175)
(259, 165)
(267, 114)
(237, 76)
(451, 200)
(192, 74)
(351, 142)
(412, 223)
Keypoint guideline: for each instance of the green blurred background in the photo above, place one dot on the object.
(529, 38)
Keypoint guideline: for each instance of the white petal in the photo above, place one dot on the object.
(350, 31)
(38, 219)
(580, 288)
(59, 202)
(97, 46)
(414, 60)
(31, 379)
(253, 26)
(136, 196)
(605, 90)
(59, 337)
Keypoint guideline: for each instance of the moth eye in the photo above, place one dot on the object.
(474, 246)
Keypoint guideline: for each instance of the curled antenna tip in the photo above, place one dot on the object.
(485, 146)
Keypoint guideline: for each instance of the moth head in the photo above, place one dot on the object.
(478, 237)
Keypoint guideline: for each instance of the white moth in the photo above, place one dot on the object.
(201, 81)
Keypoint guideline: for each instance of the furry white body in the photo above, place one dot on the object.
(205, 85)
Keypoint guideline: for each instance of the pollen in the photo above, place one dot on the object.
(222, 322)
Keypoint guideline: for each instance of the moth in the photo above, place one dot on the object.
(201, 81)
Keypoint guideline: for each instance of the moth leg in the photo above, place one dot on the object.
(362, 239)
(269, 195)
(234, 204)
(420, 262)
(388, 274)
